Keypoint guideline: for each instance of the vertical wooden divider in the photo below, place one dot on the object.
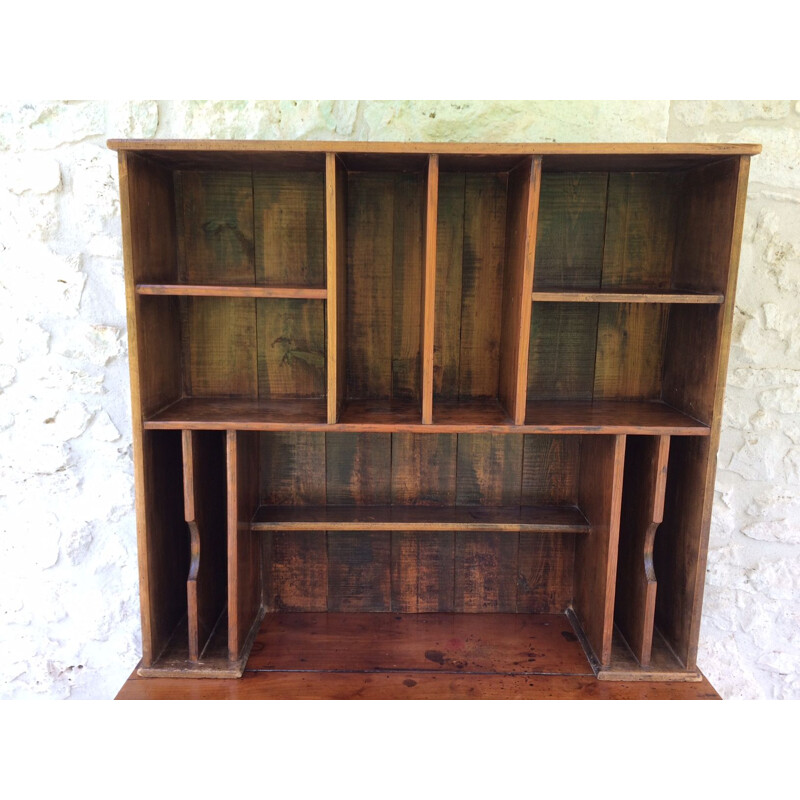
(429, 286)
(524, 183)
(336, 268)
(203, 489)
(600, 499)
(643, 496)
(244, 553)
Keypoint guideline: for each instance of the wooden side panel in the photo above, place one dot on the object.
(215, 222)
(640, 230)
(430, 224)
(523, 208)
(600, 495)
(486, 572)
(292, 469)
(204, 484)
(244, 552)
(336, 309)
(289, 228)
(571, 230)
(562, 351)
(489, 469)
(219, 347)
(359, 572)
(291, 348)
(449, 264)
(407, 268)
(482, 284)
(642, 511)
(370, 250)
(630, 351)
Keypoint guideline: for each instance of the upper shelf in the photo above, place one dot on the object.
(207, 290)
(628, 296)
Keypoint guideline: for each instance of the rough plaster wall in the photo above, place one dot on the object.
(69, 624)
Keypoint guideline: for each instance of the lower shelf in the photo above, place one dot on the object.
(406, 656)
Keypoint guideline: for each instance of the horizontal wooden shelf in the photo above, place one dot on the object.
(203, 290)
(309, 414)
(530, 519)
(587, 296)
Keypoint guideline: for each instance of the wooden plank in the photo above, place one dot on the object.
(244, 554)
(672, 296)
(370, 249)
(422, 571)
(546, 564)
(570, 231)
(292, 469)
(215, 219)
(291, 348)
(407, 281)
(204, 484)
(219, 347)
(289, 227)
(562, 351)
(630, 351)
(358, 469)
(643, 492)
(550, 468)
(449, 266)
(298, 571)
(543, 519)
(286, 291)
(482, 284)
(489, 470)
(423, 469)
(486, 570)
(429, 286)
(640, 230)
(359, 572)
(523, 210)
(600, 494)
(336, 268)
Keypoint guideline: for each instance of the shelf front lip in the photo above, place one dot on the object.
(450, 518)
(583, 296)
(204, 290)
(441, 148)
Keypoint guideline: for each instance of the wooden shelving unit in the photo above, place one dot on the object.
(476, 386)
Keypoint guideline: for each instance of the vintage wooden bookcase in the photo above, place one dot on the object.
(475, 387)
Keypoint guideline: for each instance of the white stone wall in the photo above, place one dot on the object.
(69, 614)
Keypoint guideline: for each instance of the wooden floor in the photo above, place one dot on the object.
(413, 656)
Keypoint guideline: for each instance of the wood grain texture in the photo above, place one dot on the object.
(550, 469)
(430, 226)
(489, 470)
(286, 291)
(219, 347)
(289, 228)
(523, 210)
(671, 296)
(297, 571)
(291, 348)
(424, 469)
(644, 486)
(486, 570)
(204, 484)
(600, 495)
(359, 572)
(423, 572)
(244, 554)
(545, 566)
(292, 469)
(336, 269)
(215, 224)
(358, 469)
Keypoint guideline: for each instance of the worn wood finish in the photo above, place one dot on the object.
(244, 555)
(289, 227)
(292, 469)
(423, 574)
(359, 572)
(523, 210)
(336, 272)
(600, 495)
(545, 564)
(297, 566)
(204, 497)
(287, 291)
(542, 519)
(430, 226)
(489, 470)
(644, 487)
(672, 296)
(291, 348)
(423, 469)
(215, 224)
